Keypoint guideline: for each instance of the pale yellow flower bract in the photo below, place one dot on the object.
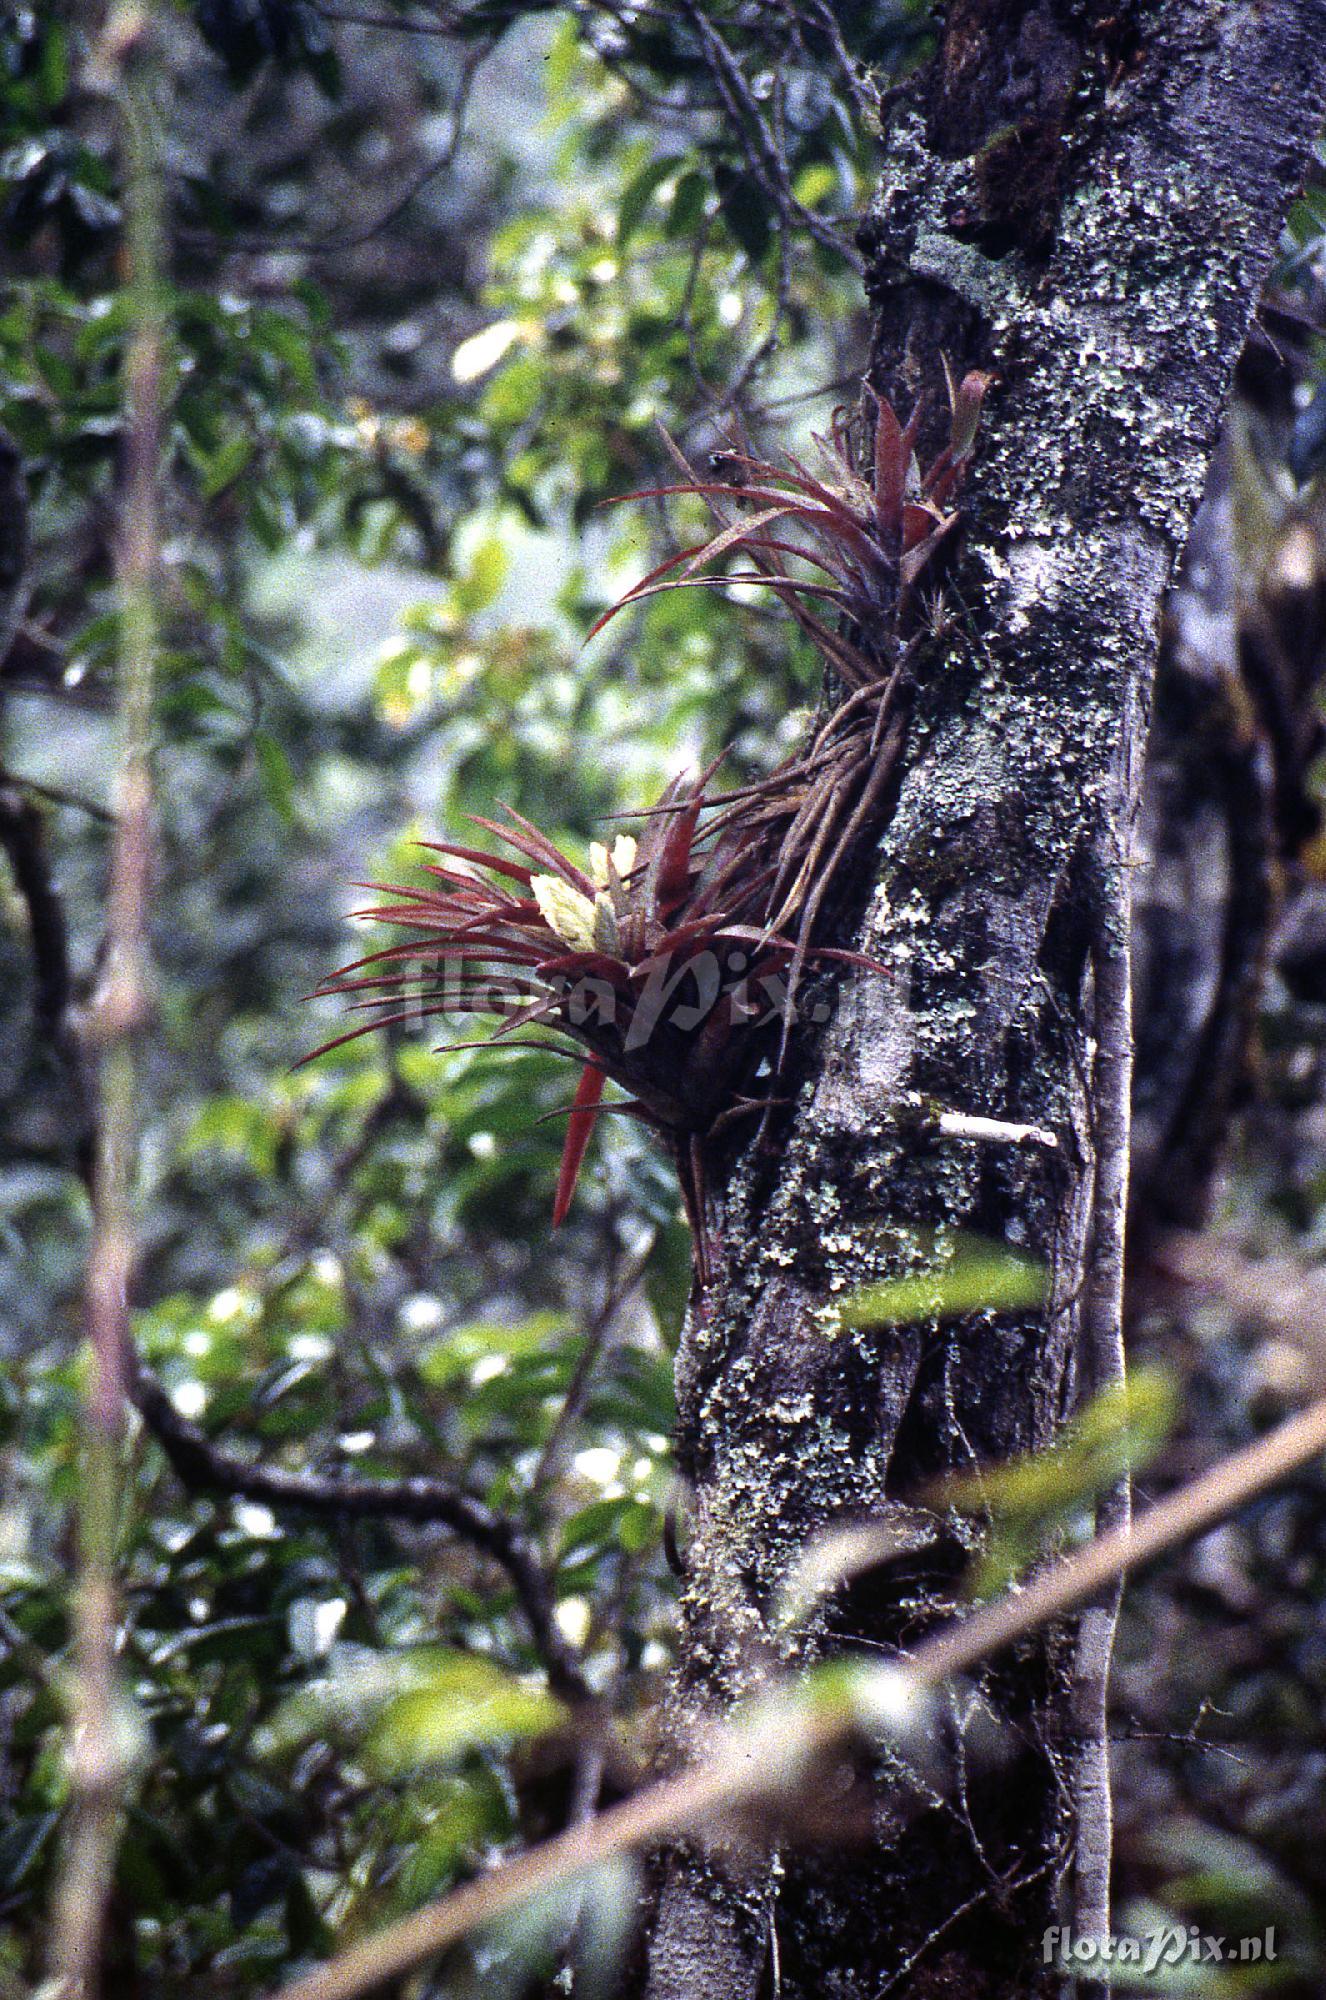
(565, 911)
(623, 859)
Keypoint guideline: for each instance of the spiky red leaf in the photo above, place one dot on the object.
(584, 1113)
(891, 454)
(499, 862)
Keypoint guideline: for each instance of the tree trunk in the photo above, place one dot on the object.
(1088, 206)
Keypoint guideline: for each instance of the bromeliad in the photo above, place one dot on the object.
(867, 541)
(667, 963)
(654, 967)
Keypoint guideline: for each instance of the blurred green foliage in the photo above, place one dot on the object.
(965, 1275)
(373, 615)
(1032, 1503)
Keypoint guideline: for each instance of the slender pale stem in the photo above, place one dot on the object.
(1102, 1368)
(100, 1738)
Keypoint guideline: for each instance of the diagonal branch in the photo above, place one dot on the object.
(765, 159)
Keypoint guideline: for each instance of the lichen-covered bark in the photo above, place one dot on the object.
(1088, 206)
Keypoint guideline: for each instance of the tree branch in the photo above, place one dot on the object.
(763, 156)
(351, 239)
(14, 542)
(23, 840)
(99, 1752)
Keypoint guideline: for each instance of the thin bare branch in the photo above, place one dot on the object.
(445, 22)
(100, 1745)
(1102, 1367)
(57, 795)
(351, 239)
(764, 157)
(619, 1291)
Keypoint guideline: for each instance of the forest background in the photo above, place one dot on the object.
(435, 279)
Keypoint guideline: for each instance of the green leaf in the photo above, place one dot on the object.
(1035, 1499)
(636, 196)
(278, 778)
(687, 210)
(457, 1352)
(627, 1523)
(462, 1811)
(815, 183)
(746, 210)
(415, 1708)
(974, 1276)
(223, 467)
(467, 1702)
(483, 579)
(1118, 1431)
(516, 392)
(54, 71)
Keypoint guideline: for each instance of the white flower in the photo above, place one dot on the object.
(483, 350)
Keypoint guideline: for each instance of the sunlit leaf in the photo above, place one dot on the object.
(419, 1707)
(455, 1353)
(972, 1275)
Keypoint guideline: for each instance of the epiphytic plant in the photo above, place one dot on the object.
(664, 966)
(867, 542)
(654, 966)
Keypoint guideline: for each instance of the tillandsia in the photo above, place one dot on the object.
(672, 963)
(867, 540)
(654, 966)
(866, 543)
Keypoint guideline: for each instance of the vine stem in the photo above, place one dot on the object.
(1102, 1368)
(102, 1739)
